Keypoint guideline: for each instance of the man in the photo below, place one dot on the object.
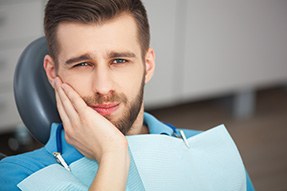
(99, 61)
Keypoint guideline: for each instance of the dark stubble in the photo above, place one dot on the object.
(124, 124)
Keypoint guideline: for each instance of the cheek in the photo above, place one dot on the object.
(132, 84)
(79, 84)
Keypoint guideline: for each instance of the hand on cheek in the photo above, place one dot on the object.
(92, 134)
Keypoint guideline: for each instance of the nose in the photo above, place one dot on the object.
(102, 80)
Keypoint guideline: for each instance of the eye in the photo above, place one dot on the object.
(119, 61)
(82, 64)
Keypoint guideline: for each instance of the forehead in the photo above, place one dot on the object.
(117, 34)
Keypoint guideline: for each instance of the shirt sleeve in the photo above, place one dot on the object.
(249, 184)
(14, 169)
(11, 174)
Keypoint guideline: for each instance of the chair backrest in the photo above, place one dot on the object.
(33, 94)
(2, 156)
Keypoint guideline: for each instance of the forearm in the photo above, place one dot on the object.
(112, 173)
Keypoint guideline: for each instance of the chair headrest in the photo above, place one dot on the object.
(33, 93)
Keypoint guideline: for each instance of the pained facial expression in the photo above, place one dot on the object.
(104, 64)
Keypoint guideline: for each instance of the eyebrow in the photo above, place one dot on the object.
(112, 54)
(80, 58)
(126, 54)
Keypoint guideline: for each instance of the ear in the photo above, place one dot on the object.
(50, 68)
(149, 64)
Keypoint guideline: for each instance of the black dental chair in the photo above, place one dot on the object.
(2, 156)
(33, 94)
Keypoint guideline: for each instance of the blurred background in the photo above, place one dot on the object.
(217, 62)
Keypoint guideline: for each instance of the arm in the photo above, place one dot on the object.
(95, 137)
(11, 174)
(112, 174)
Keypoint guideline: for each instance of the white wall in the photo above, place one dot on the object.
(211, 48)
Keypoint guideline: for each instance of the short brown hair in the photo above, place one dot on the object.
(93, 11)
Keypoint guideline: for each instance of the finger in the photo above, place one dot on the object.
(63, 115)
(66, 105)
(78, 103)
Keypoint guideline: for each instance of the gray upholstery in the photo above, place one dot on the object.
(2, 156)
(33, 94)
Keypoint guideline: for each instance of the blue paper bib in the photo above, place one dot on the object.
(159, 163)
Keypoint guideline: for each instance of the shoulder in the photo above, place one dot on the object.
(16, 168)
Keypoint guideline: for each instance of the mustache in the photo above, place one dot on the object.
(109, 98)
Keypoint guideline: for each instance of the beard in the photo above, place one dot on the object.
(126, 121)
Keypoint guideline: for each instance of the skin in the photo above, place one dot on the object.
(95, 92)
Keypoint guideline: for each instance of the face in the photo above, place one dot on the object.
(105, 65)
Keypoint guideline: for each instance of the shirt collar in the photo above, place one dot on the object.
(51, 145)
(155, 126)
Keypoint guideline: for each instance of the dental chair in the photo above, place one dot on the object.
(2, 156)
(33, 94)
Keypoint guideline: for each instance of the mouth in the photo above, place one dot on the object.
(105, 109)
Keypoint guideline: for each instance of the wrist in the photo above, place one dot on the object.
(118, 152)
(113, 156)
(113, 171)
